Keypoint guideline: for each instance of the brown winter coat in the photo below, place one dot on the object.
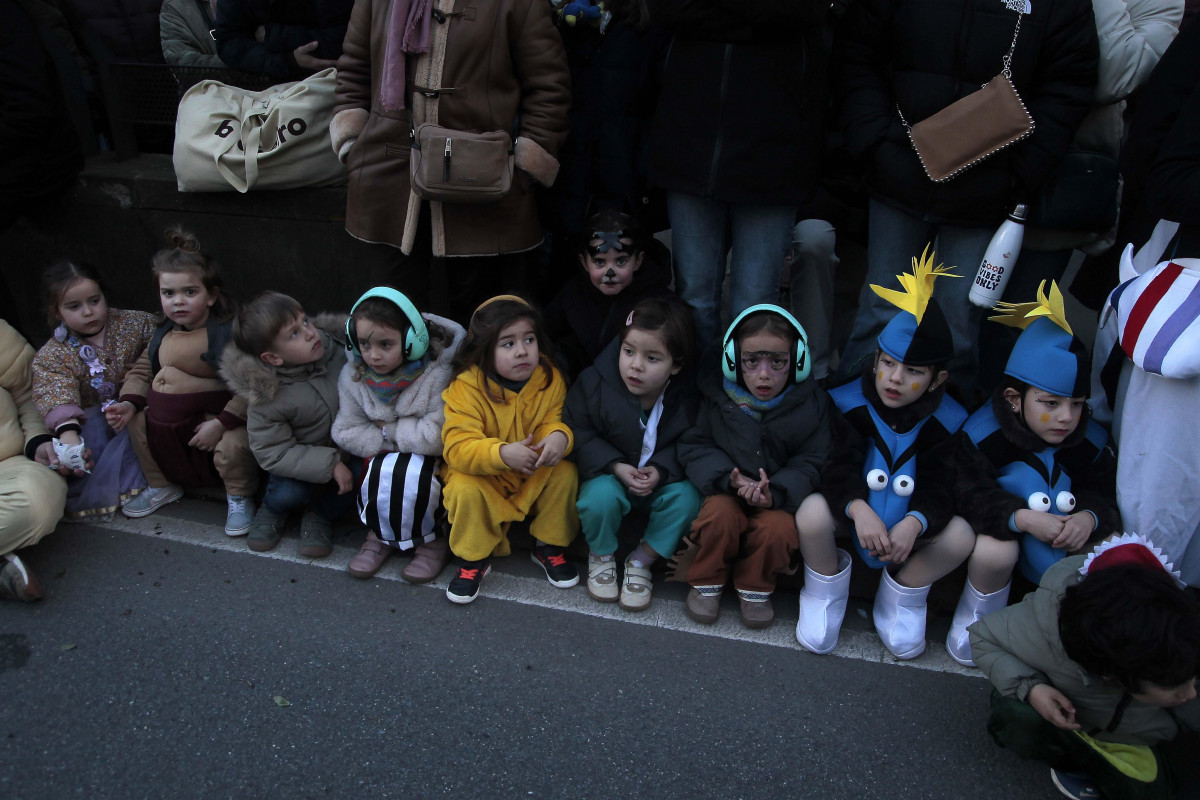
(503, 60)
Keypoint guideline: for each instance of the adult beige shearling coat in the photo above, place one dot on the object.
(495, 65)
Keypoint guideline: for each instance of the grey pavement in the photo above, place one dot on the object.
(169, 661)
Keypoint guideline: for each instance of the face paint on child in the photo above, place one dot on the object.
(899, 384)
(610, 261)
(1051, 417)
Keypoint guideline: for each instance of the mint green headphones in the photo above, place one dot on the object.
(415, 339)
(729, 353)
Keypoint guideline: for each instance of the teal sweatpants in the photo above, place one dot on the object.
(604, 503)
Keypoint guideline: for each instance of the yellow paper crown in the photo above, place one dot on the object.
(1020, 315)
(917, 286)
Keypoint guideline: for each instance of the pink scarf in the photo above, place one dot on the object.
(408, 33)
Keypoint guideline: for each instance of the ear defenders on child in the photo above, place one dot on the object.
(729, 359)
(415, 339)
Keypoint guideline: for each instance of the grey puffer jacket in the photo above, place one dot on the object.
(1019, 648)
(413, 423)
(292, 408)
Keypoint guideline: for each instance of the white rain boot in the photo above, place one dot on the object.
(972, 606)
(823, 606)
(900, 617)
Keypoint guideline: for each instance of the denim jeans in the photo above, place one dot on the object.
(702, 233)
(895, 238)
(286, 494)
(813, 261)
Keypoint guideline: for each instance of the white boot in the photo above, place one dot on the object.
(972, 606)
(900, 617)
(823, 606)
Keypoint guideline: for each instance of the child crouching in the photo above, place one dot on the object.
(760, 438)
(287, 368)
(391, 415)
(1095, 669)
(504, 442)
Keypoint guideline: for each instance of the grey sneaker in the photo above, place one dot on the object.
(240, 515)
(264, 530)
(16, 581)
(316, 536)
(151, 500)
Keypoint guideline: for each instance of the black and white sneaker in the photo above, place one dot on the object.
(464, 586)
(559, 571)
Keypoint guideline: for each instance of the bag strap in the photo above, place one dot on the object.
(1005, 63)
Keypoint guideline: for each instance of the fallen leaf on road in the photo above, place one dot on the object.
(279, 701)
(65, 647)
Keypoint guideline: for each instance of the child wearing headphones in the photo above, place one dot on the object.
(755, 453)
(390, 415)
(897, 518)
(287, 366)
(504, 442)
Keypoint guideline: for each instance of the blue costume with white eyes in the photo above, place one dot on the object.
(890, 466)
(1040, 478)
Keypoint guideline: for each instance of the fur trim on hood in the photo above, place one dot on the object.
(252, 378)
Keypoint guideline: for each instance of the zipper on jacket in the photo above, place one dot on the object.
(712, 173)
(446, 162)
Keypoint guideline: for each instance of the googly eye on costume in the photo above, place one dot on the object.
(1065, 502)
(1039, 501)
(877, 480)
(903, 485)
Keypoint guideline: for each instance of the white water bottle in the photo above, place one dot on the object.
(999, 260)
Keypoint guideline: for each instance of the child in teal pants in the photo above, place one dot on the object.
(627, 411)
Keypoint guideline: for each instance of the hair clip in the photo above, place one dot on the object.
(629, 319)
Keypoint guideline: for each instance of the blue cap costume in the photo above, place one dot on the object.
(919, 335)
(1047, 355)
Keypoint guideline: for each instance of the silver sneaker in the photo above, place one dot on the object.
(240, 516)
(151, 500)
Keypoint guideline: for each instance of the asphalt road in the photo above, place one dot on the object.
(169, 661)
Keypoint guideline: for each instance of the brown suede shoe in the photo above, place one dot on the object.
(757, 613)
(370, 557)
(428, 561)
(703, 608)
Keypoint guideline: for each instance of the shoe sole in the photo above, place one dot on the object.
(560, 584)
(966, 662)
(419, 579)
(236, 532)
(633, 608)
(757, 624)
(315, 550)
(260, 546)
(147, 512)
(459, 600)
(602, 599)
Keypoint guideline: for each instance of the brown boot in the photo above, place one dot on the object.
(428, 561)
(370, 557)
(756, 608)
(704, 606)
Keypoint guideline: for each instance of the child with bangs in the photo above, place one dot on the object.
(881, 486)
(504, 442)
(755, 453)
(390, 414)
(627, 412)
(75, 378)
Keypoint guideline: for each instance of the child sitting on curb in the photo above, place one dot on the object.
(287, 368)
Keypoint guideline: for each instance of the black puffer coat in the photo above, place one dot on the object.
(739, 119)
(606, 420)
(128, 28)
(287, 24)
(926, 54)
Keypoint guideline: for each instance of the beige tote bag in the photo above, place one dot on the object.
(227, 138)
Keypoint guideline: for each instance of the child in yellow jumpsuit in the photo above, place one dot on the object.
(504, 442)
